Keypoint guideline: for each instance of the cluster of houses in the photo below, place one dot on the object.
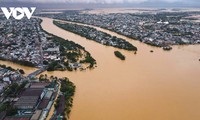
(158, 29)
(21, 40)
(8, 77)
(24, 40)
(51, 51)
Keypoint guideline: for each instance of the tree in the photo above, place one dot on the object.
(21, 71)
(119, 55)
(41, 78)
(45, 62)
(11, 111)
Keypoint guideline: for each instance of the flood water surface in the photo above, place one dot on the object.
(163, 85)
(147, 86)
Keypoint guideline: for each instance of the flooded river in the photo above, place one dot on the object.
(163, 85)
(27, 70)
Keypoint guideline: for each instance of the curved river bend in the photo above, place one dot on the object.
(147, 86)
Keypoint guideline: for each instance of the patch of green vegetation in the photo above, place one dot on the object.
(14, 89)
(73, 55)
(8, 108)
(68, 90)
(54, 65)
(66, 45)
(90, 60)
(119, 55)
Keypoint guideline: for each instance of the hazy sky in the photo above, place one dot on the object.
(103, 3)
(108, 1)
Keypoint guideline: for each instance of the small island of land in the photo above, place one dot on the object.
(119, 55)
(96, 35)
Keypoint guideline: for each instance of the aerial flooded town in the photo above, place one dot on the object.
(100, 63)
(159, 28)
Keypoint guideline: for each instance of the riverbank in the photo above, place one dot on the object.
(27, 70)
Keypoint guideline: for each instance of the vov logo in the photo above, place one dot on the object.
(19, 12)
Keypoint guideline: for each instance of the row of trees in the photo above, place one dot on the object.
(12, 69)
(68, 90)
(15, 89)
(12, 91)
(21, 62)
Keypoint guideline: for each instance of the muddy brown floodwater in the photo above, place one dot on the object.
(163, 85)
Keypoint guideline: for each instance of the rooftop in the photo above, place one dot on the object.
(26, 102)
(32, 92)
(39, 85)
